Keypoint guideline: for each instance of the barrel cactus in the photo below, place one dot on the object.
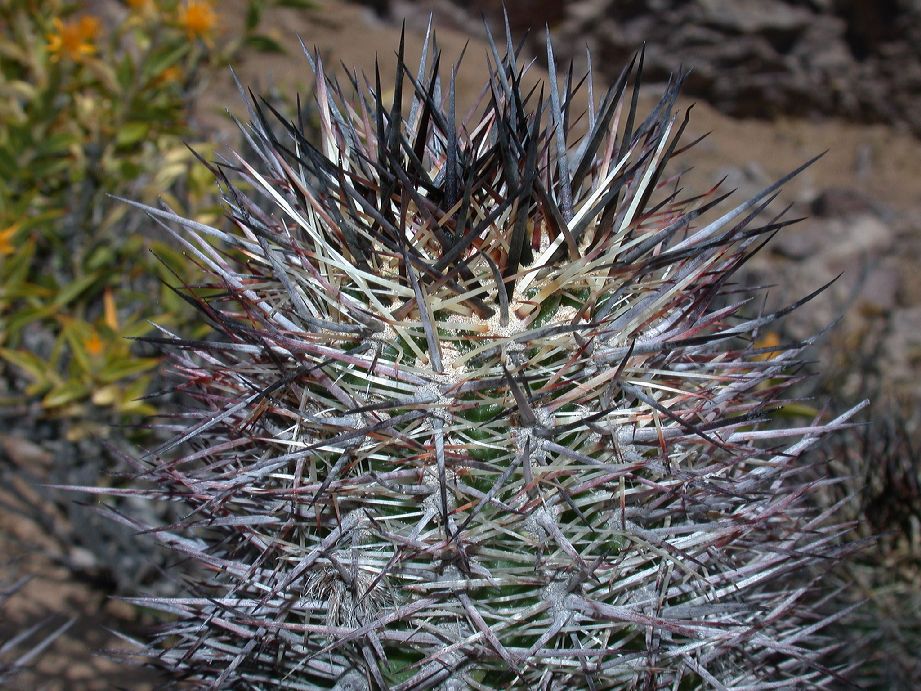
(483, 407)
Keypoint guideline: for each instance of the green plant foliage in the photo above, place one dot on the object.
(90, 108)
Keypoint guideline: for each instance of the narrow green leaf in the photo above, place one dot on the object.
(264, 44)
(122, 369)
(253, 14)
(65, 393)
(74, 290)
(162, 60)
(31, 364)
(132, 133)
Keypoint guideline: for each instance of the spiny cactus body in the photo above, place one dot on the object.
(481, 408)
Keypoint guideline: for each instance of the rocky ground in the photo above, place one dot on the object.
(863, 200)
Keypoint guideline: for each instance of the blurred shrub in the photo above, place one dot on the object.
(91, 107)
(89, 110)
(97, 101)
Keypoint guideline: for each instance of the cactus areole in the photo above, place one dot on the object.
(482, 407)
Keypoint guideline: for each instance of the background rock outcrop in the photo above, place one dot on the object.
(855, 59)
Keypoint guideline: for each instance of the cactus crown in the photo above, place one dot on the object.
(481, 408)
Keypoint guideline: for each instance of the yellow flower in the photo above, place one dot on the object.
(198, 18)
(170, 74)
(94, 344)
(74, 40)
(6, 236)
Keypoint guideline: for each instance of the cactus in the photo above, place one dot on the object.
(482, 407)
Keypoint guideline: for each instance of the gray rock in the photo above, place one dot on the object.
(858, 251)
(879, 292)
(903, 344)
(858, 59)
(754, 16)
(843, 202)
